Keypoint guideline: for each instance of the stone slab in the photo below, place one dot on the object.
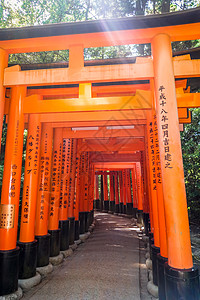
(44, 271)
(152, 289)
(14, 296)
(56, 260)
(27, 284)
(67, 252)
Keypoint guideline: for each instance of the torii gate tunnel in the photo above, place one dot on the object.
(88, 120)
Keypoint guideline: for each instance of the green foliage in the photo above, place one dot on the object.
(190, 139)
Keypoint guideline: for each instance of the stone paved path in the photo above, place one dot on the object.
(106, 266)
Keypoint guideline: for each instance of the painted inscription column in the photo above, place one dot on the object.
(27, 242)
(86, 190)
(71, 188)
(63, 206)
(9, 207)
(149, 184)
(178, 234)
(152, 172)
(43, 195)
(77, 193)
(53, 224)
(81, 199)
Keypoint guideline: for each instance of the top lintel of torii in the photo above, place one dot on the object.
(180, 26)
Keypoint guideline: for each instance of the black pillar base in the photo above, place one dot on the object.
(151, 243)
(134, 212)
(64, 235)
(87, 220)
(155, 250)
(121, 208)
(112, 207)
(71, 230)
(181, 284)
(27, 259)
(97, 204)
(54, 242)
(106, 206)
(77, 230)
(82, 222)
(140, 217)
(124, 209)
(129, 209)
(43, 250)
(116, 208)
(146, 223)
(161, 276)
(9, 270)
(92, 216)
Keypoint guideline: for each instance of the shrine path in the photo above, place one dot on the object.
(106, 266)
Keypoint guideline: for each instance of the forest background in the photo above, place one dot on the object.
(20, 13)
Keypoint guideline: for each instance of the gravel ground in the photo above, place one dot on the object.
(107, 266)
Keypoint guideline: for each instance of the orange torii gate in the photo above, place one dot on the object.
(52, 113)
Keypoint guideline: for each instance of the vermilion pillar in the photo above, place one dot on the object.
(97, 200)
(146, 198)
(71, 189)
(27, 242)
(152, 171)
(86, 190)
(129, 204)
(149, 185)
(116, 192)
(9, 207)
(135, 193)
(162, 256)
(82, 196)
(140, 195)
(63, 207)
(124, 190)
(77, 194)
(121, 192)
(178, 234)
(53, 224)
(91, 193)
(112, 193)
(43, 195)
(105, 192)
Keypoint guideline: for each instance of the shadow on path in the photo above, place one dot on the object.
(106, 266)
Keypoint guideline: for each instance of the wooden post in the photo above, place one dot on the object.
(178, 234)
(41, 225)
(116, 175)
(112, 193)
(53, 224)
(27, 242)
(9, 207)
(63, 207)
